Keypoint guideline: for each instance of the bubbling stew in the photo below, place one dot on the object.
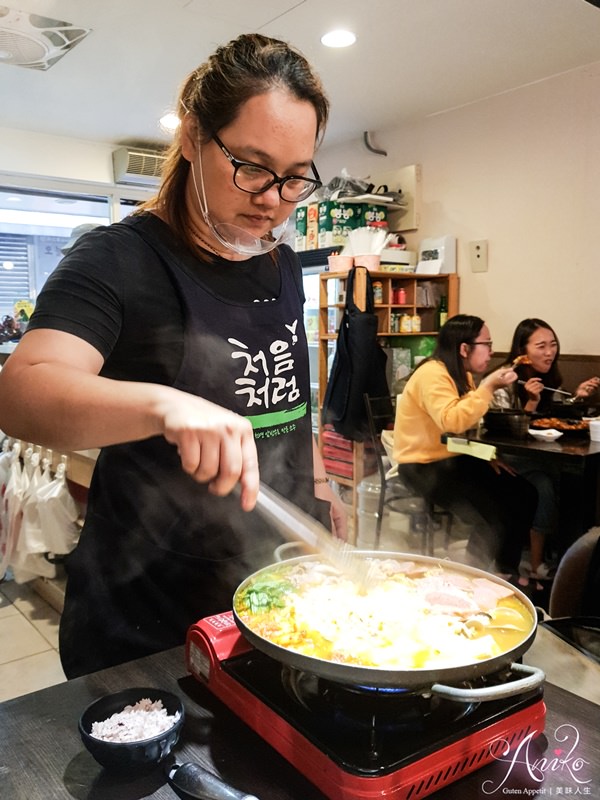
(413, 616)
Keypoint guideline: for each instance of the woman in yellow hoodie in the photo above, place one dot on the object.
(441, 397)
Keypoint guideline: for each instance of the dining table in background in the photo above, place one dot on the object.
(578, 461)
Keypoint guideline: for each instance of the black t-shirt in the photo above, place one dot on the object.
(112, 291)
(158, 550)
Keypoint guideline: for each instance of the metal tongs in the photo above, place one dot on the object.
(296, 525)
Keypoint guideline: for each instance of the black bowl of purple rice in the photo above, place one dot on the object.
(132, 729)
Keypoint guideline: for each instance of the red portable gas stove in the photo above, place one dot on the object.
(358, 742)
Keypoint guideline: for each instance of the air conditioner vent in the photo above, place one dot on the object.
(137, 167)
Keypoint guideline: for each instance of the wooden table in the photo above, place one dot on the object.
(43, 758)
(578, 461)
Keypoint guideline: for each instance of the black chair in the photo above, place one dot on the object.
(425, 519)
(573, 591)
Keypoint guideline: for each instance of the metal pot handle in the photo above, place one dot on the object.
(535, 677)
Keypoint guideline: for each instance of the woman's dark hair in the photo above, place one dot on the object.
(460, 328)
(518, 347)
(246, 67)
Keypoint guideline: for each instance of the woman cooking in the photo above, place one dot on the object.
(441, 397)
(174, 341)
(534, 352)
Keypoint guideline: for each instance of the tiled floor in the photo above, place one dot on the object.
(28, 641)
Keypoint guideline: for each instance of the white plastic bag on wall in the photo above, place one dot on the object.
(28, 560)
(11, 509)
(6, 457)
(5, 461)
(58, 514)
(31, 539)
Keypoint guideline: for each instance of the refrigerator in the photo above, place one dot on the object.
(310, 280)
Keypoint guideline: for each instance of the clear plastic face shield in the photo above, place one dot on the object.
(253, 179)
(234, 238)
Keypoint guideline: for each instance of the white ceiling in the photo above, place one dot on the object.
(413, 58)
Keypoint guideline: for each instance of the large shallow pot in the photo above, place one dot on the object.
(434, 680)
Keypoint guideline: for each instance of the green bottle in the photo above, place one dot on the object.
(442, 311)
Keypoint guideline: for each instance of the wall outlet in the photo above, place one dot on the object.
(478, 255)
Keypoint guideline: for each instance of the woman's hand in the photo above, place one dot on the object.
(323, 491)
(215, 445)
(501, 466)
(499, 378)
(587, 388)
(339, 519)
(534, 388)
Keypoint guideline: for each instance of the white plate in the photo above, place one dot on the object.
(548, 435)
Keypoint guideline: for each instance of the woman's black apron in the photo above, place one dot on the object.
(157, 551)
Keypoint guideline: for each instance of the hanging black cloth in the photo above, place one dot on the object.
(359, 367)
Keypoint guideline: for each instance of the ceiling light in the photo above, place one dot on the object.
(169, 122)
(338, 38)
(8, 265)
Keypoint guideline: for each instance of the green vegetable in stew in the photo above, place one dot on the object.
(263, 595)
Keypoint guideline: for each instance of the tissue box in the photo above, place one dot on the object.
(437, 255)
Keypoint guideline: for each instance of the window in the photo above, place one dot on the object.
(34, 226)
(126, 207)
(37, 217)
(14, 266)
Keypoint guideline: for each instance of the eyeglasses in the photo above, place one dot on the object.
(254, 179)
(488, 343)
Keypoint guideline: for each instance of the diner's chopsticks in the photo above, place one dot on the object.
(550, 389)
